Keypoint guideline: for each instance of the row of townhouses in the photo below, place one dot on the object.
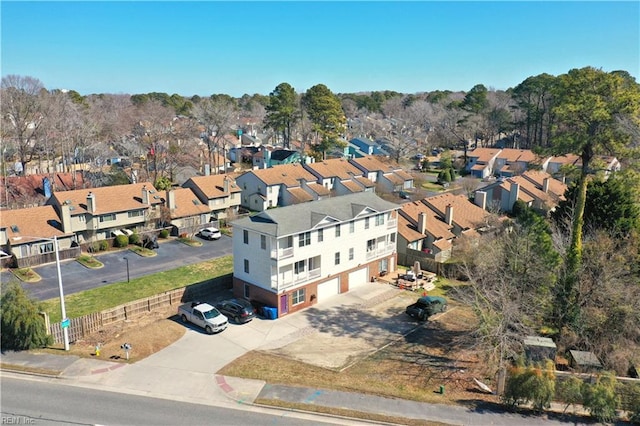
(292, 256)
(509, 162)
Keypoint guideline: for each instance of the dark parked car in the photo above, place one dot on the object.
(426, 306)
(241, 311)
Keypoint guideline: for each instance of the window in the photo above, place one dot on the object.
(352, 227)
(371, 245)
(81, 218)
(247, 290)
(300, 266)
(351, 253)
(246, 266)
(297, 296)
(337, 258)
(337, 231)
(379, 219)
(320, 235)
(245, 236)
(263, 242)
(366, 223)
(46, 248)
(304, 239)
(107, 217)
(135, 213)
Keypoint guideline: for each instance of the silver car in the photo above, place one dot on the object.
(210, 233)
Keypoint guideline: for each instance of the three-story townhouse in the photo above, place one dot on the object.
(291, 257)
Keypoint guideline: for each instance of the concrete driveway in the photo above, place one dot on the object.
(328, 334)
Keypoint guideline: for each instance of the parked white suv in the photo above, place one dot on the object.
(210, 233)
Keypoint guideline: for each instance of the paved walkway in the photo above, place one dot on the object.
(161, 376)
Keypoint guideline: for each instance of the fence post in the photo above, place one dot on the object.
(47, 324)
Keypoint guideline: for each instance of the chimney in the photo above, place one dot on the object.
(513, 195)
(91, 202)
(65, 212)
(207, 169)
(422, 223)
(545, 185)
(449, 215)
(171, 199)
(481, 199)
(145, 195)
(225, 184)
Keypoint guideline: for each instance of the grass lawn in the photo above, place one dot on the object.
(101, 298)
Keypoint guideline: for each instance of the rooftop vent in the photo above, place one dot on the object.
(15, 228)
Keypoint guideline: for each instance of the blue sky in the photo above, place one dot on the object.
(250, 47)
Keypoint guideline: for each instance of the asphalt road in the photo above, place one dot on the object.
(77, 278)
(29, 402)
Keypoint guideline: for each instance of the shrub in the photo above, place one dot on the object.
(569, 391)
(104, 245)
(183, 235)
(134, 239)
(600, 399)
(22, 326)
(164, 233)
(121, 241)
(530, 384)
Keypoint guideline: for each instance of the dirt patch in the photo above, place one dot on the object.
(147, 335)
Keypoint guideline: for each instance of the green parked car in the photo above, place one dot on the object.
(426, 306)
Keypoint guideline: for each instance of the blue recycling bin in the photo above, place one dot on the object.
(270, 312)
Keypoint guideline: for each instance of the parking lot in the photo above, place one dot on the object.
(76, 278)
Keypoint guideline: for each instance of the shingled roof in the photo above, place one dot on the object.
(109, 199)
(31, 223)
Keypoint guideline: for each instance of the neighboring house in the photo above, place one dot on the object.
(367, 147)
(291, 257)
(99, 213)
(186, 212)
(389, 178)
(340, 176)
(554, 165)
(27, 234)
(465, 218)
(219, 164)
(278, 186)
(220, 193)
(269, 157)
(535, 188)
(481, 162)
(422, 234)
(511, 162)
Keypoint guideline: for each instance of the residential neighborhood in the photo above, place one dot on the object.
(491, 237)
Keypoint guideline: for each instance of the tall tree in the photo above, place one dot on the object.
(23, 115)
(327, 117)
(589, 107)
(22, 326)
(218, 114)
(534, 98)
(283, 111)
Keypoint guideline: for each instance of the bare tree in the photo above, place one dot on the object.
(219, 114)
(23, 115)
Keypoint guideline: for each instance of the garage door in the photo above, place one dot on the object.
(358, 278)
(328, 289)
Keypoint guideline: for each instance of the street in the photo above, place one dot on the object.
(28, 401)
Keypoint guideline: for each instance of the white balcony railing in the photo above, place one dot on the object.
(283, 253)
(392, 223)
(380, 251)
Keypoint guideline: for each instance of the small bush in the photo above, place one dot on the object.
(183, 235)
(164, 233)
(104, 245)
(600, 399)
(121, 241)
(134, 239)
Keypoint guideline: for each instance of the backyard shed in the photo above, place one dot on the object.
(539, 349)
(584, 361)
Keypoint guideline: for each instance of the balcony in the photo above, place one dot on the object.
(381, 251)
(392, 223)
(298, 279)
(283, 253)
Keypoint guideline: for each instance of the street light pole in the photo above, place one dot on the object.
(65, 330)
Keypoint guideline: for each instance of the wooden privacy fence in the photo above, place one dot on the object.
(88, 324)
